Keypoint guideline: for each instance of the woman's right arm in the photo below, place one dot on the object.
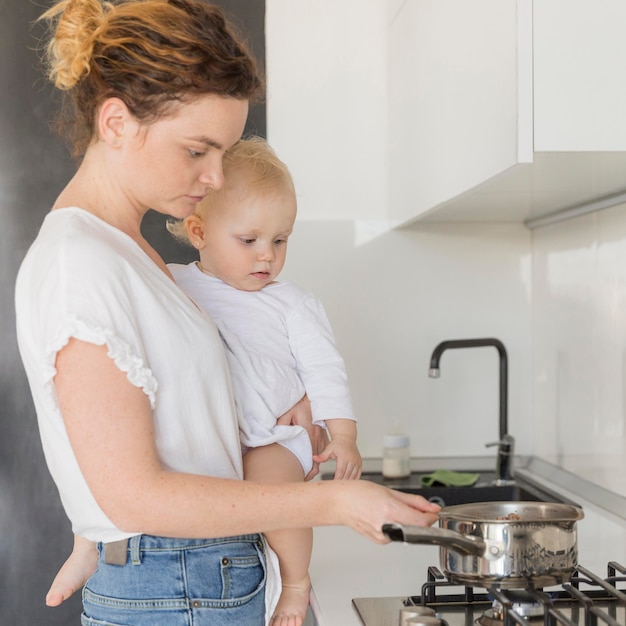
(109, 424)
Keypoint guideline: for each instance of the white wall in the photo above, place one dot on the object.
(391, 298)
(579, 345)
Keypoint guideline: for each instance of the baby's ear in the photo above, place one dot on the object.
(195, 231)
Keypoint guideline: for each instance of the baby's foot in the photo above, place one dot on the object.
(292, 604)
(74, 573)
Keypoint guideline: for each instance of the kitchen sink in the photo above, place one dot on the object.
(521, 489)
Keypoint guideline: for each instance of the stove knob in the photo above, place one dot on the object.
(411, 612)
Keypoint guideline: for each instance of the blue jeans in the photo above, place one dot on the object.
(180, 582)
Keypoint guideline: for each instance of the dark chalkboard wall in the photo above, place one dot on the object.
(35, 536)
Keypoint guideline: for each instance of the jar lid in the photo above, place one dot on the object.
(396, 441)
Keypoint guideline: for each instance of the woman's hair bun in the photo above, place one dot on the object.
(75, 24)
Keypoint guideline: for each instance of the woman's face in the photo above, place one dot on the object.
(173, 162)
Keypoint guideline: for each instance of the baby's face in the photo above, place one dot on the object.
(245, 236)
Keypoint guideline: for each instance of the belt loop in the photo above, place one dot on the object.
(135, 555)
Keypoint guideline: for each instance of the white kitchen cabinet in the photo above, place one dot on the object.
(505, 109)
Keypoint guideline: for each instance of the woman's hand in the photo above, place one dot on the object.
(300, 415)
(368, 506)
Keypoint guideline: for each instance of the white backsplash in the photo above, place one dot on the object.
(579, 346)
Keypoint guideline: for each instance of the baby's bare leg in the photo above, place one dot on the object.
(274, 463)
(80, 565)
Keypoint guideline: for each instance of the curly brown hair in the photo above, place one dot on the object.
(149, 53)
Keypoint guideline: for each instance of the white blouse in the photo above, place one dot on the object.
(85, 279)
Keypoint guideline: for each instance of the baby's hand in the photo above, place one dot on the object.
(346, 455)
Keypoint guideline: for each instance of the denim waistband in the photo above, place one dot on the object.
(117, 552)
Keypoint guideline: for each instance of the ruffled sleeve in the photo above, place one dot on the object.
(122, 353)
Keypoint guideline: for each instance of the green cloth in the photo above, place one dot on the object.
(448, 478)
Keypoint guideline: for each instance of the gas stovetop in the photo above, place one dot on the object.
(585, 600)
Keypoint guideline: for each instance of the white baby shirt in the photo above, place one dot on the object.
(279, 345)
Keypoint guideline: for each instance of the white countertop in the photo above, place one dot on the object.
(345, 565)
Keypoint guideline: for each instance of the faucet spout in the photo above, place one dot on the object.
(433, 372)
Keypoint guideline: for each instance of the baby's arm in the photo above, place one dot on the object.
(342, 448)
(80, 565)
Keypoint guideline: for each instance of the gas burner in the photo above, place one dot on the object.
(522, 603)
(585, 599)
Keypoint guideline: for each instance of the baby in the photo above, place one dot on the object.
(279, 345)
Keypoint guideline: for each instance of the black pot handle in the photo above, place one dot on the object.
(465, 544)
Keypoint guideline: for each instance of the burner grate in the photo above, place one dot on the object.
(596, 604)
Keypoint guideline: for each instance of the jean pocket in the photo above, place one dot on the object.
(242, 576)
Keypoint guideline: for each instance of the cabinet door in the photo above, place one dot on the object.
(455, 92)
(580, 75)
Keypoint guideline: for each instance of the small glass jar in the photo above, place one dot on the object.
(396, 456)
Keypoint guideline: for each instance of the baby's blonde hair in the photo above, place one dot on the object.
(263, 171)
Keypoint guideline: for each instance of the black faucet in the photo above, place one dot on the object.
(506, 441)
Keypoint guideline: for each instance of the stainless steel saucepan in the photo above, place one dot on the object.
(511, 544)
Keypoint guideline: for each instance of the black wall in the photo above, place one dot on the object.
(35, 536)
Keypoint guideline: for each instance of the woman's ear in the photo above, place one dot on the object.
(195, 231)
(114, 121)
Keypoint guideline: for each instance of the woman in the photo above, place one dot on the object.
(128, 376)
